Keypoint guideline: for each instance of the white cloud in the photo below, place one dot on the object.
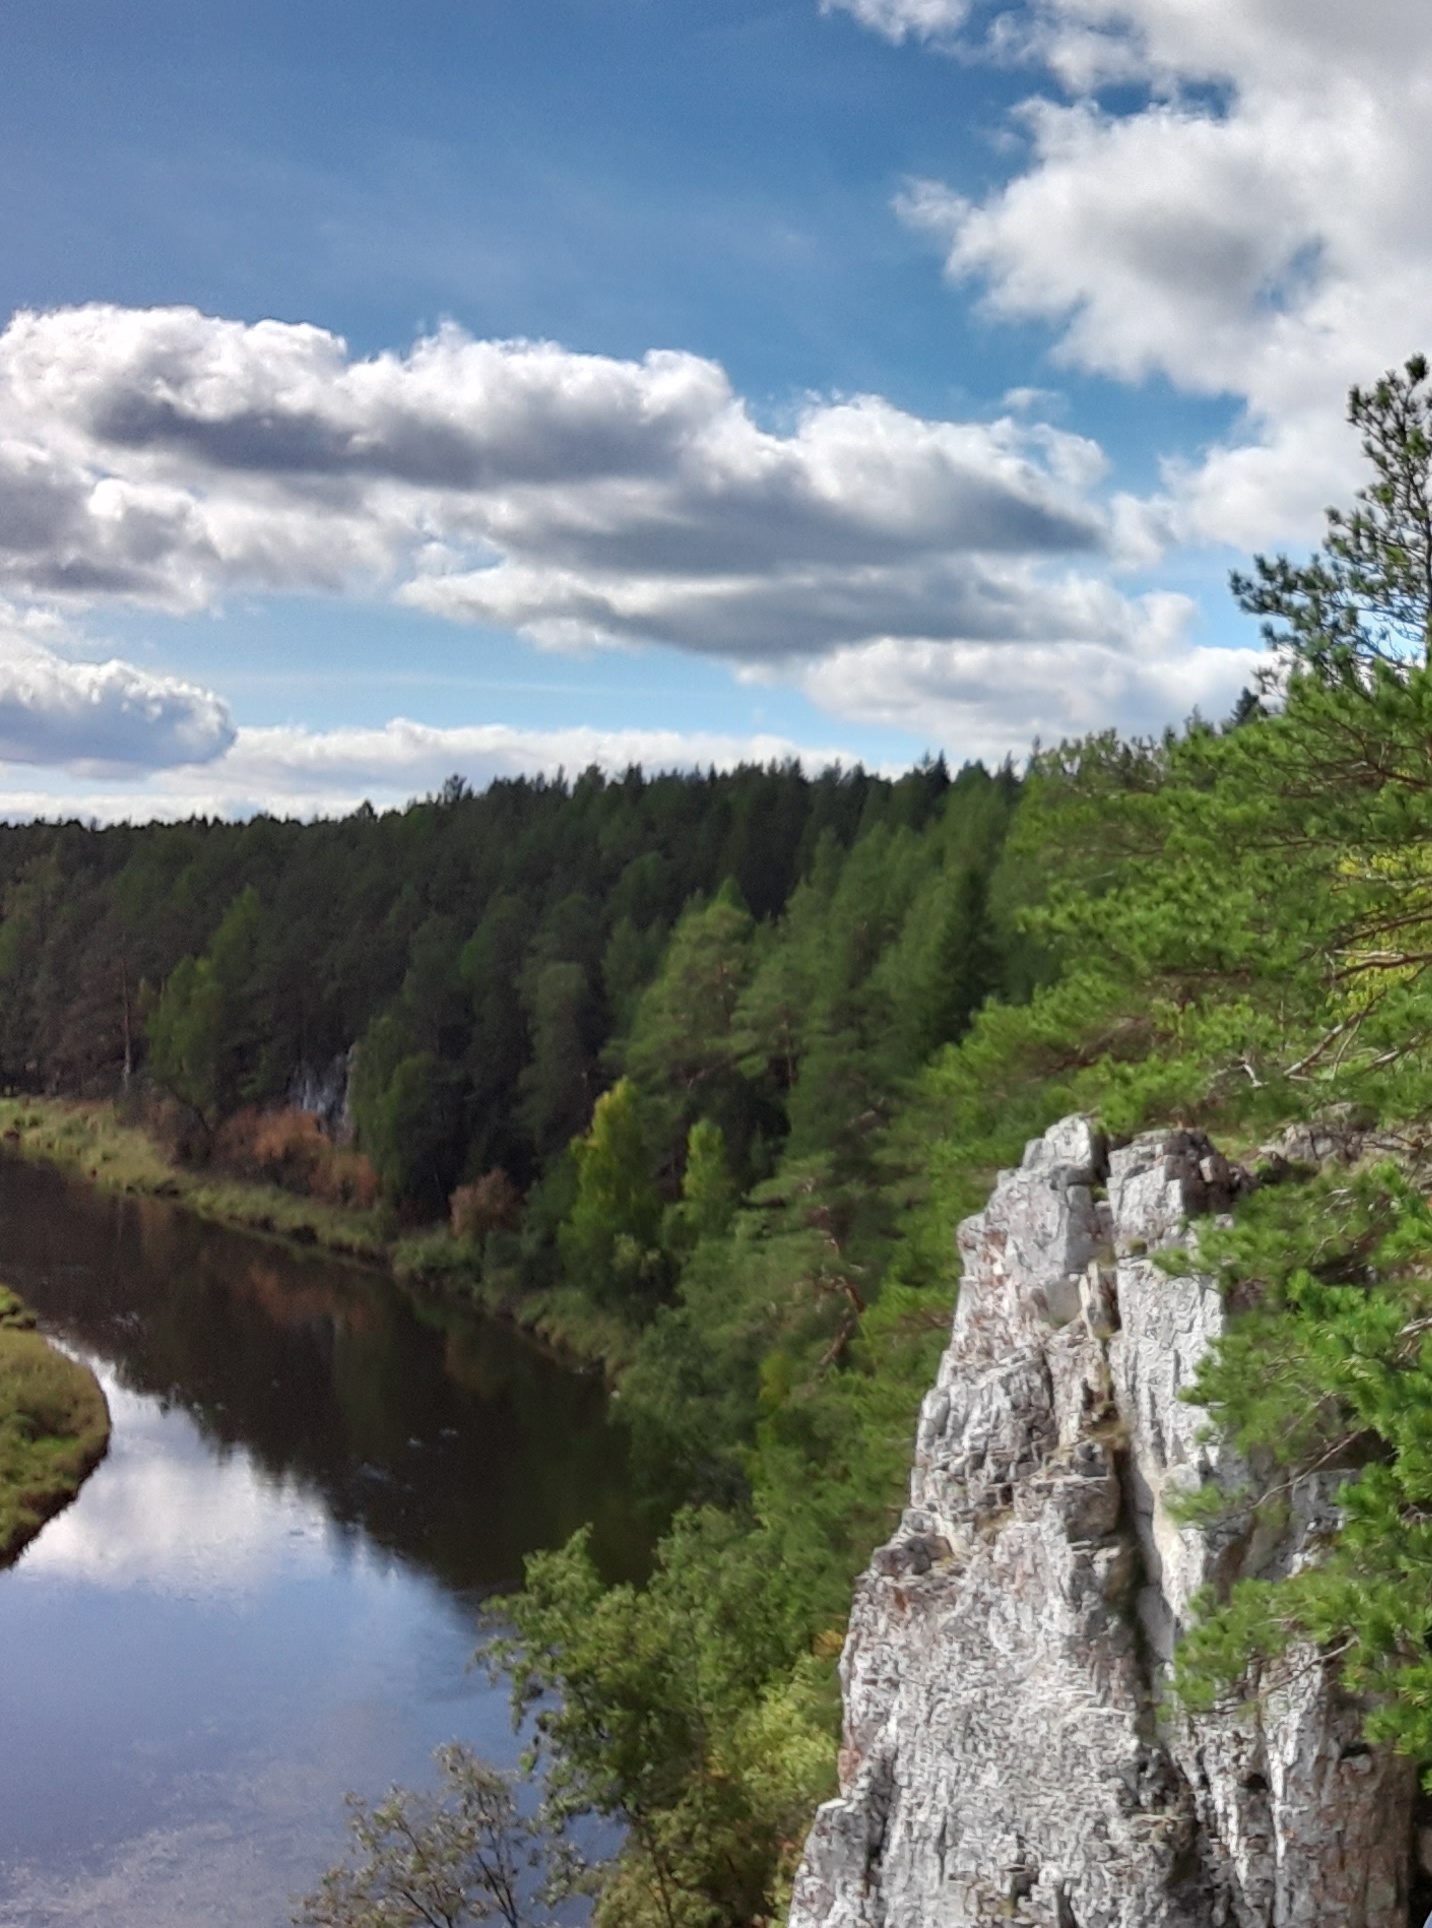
(1095, 660)
(902, 19)
(403, 759)
(289, 771)
(977, 700)
(95, 718)
(166, 456)
(1256, 228)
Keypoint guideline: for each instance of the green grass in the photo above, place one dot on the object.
(88, 1138)
(54, 1427)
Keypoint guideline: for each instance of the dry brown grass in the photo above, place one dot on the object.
(54, 1427)
(88, 1138)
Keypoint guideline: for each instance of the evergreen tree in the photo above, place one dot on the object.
(708, 1193)
(556, 1083)
(967, 962)
(1367, 598)
(682, 1051)
(207, 1032)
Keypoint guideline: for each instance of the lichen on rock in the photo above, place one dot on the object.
(1011, 1752)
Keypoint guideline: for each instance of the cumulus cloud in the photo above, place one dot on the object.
(339, 768)
(98, 717)
(991, 702)
(165, 455)
(1099, 662)
(1255, 228)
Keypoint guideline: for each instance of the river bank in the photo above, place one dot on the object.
(88, 1138)
(54, 1427)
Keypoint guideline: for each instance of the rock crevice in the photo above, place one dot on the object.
(1010, 1753)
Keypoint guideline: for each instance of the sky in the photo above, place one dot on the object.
(392, 391)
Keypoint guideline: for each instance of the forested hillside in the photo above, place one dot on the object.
(506, 935)
(710, 1066)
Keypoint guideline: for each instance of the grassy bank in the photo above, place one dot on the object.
(90, 1140)
(54, 1427)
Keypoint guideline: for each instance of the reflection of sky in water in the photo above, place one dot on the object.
(195, 1664)
(169, 1516)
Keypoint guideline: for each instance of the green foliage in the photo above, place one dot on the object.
(708, 1191)
(609, 1241)
(204, 1035)
(680, 1051)
(673, 1709)
(555, 1084)
(405, 1105)
(445, 916)
(967, 963)
(186, 1035)
(1330, 1374)
(1368, 597)
(463, 1854)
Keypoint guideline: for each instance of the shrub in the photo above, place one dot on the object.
(290, 1149)
(491, 1204)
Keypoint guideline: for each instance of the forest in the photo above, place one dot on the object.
(709, 1066)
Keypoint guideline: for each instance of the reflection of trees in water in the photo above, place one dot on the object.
(447, 1439)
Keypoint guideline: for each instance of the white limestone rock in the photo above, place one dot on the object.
(1007, 1757)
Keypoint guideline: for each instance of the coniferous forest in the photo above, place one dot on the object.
(705, 1068)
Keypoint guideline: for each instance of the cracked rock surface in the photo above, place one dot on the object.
(1009, 1753)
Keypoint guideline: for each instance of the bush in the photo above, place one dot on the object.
(290, 1149)
(176, 1127)
(463, 1855)
(492, 1204)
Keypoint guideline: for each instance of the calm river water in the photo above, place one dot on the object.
(268, 1593)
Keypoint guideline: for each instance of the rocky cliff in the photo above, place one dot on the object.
(1010, 1753)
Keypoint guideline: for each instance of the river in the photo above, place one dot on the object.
(269, 1592)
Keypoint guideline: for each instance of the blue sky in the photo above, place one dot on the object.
(913, 372)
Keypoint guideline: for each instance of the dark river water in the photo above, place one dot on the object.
(269, 1592)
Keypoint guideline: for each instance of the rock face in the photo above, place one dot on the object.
(326, 1094)
(1009, 1755)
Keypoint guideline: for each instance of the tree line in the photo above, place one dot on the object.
(504, 933)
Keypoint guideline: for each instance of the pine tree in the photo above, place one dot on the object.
(1367, 598)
